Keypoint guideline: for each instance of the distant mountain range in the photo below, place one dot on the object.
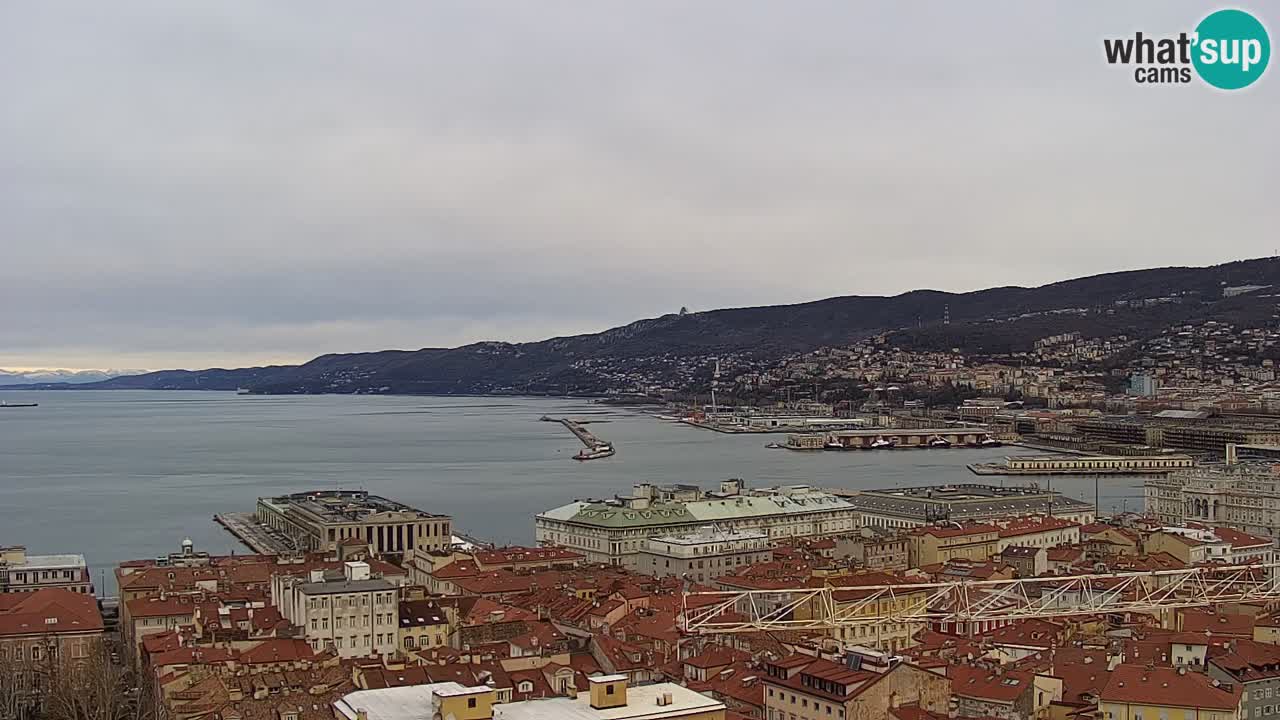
(676, 349)
(27, 377)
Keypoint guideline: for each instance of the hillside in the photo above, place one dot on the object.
(670, 349)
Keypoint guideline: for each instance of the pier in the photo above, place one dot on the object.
(594, 447)
(256, 536)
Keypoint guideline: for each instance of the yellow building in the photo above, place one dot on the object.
(423, 625)
(806, 688)
(1137, 692)
(852, 600)
(609, 698)
(938, 544)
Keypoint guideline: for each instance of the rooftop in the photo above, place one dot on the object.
(791, 501)
(343, 506)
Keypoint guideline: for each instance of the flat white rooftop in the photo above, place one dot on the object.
(642, 704)
(412, 702)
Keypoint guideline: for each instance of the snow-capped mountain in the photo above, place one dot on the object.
(54, 375)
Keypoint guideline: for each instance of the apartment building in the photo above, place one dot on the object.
(355, 614)
(953, 541)
(703, 555)
(38, 630)
(23, 572)
(800, 687)
(1134, 691)
(320, 520)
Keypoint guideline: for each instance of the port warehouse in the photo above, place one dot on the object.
(908, 438)
(318, 521)
(912, 507)
(1098, 462)
(1181, 430)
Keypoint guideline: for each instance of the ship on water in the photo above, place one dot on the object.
(4, 404)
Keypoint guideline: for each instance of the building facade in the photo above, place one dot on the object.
(355, 614)
(617, 531)
(21, 572)
(912, 507)
(932, 545)
(704, 555)
(319, 521)
(1243, 497)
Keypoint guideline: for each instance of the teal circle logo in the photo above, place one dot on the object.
(1231, 49)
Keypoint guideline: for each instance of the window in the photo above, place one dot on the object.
(471, 702)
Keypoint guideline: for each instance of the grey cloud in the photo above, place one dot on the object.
(238, 182)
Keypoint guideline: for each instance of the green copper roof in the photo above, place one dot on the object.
(601, 514)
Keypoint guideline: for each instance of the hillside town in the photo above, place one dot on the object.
(676, 601)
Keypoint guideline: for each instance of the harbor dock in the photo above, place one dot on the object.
(594, 447)
(256, 536)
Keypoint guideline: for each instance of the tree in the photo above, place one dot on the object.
(54, 686)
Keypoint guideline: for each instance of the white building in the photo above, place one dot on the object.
(704, 555)
(609, 698)
(20, 572)
(616, 531)
(355, 614)
(1242, 497)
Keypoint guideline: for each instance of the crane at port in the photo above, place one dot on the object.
(976, 603)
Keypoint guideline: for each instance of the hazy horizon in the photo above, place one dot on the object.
(238, 184)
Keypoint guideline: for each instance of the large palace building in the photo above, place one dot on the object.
(318, 521)
(615, 531)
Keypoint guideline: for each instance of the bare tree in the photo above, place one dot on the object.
(93, 688)
(19, 684)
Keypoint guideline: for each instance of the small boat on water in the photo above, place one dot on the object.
(939, 442)
(774, 445)
(989, 441)
(881, 444)
(4, 404)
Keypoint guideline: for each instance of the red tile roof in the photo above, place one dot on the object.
(49, 611)
(1169, 687)
(1003, 686)
(1032, 525)
(951, 531)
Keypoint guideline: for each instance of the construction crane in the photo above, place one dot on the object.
(970, 603)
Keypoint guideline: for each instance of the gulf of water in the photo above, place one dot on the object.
(120, 475)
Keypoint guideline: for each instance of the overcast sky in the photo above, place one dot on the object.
(238, 182)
